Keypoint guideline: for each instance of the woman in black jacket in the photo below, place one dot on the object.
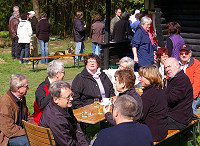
(91, 83)
(154, 102)
(43, 29)
(124, 82)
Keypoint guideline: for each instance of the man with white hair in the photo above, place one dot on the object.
(13, 26)
(124, 63)
(15, 9)
(126, 132)
(13, 110)
(59, 117)
(55, 72)
(33, 43)
(179, 95)
(132, 17)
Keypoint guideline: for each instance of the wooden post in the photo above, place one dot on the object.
(107, 35)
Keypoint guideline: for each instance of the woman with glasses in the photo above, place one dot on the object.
(154, 102)
(91, 83)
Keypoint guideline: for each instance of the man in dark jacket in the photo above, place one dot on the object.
(122, 28)
(179, 95)
(33, 43)
(79, 34)
(13, 25)
(58, 116)
(126, 132)
(55, 71)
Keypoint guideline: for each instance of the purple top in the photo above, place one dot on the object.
(177, 42)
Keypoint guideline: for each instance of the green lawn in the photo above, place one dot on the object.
(9, 66)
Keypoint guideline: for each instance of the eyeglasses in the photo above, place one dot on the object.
(25, 86)
(182, 53)
(92, 62)
(63, 72)
(70, 95)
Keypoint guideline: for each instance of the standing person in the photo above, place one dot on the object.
(191, 68)
(122, 28)
(126, 132)
(13, 25)
(79, 34)
(133, 17)
(154, 102)
(96, 34)
(59, 117)
(33, 43)
(115, 19)
(24, 32)
(55, 71)
(175, 41)
(179, 95)
(43, 29)
(13, 110)
(142, 43)
(15, 9)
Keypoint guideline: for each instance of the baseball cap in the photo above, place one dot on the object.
(185, 47)
(31, 12)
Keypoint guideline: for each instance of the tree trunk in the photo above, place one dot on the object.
(36, 8)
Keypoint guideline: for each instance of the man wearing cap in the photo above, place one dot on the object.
(33, 43)
(179, 95)
(191, 67)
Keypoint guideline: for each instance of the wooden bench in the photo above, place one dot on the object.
(174, 132)
(35, 60)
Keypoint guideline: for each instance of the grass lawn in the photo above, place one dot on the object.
(9, 66)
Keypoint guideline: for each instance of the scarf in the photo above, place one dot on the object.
(150, 36)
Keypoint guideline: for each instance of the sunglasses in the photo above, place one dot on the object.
(186, 53)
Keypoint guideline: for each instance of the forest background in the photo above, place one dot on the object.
(61, 13)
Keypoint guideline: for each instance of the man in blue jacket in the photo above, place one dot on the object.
(126, 132)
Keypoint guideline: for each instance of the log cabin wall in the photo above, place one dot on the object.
(187, 14)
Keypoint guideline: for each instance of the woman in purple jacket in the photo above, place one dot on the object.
(43, 29)
(175, 41)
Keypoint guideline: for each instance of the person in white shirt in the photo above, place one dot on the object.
(24, 33)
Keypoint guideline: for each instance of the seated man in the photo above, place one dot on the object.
(58, 116)
(126, 132)
(179, 95)
(125, 63)
(191, 67)
(55, 71)
(13, 110)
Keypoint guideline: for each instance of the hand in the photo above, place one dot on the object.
(85, 26)
(106, 108)
(136, 59)
(113, 99)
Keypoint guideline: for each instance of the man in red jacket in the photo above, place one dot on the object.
(191, 67)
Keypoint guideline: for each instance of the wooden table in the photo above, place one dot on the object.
(90, 119)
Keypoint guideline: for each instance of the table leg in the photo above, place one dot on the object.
(78, 61)
(33, 66)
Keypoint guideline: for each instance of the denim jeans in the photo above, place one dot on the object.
(95, 48)
(16, 49)
(44, 50)
(80, 47)
(18, 141)
(195, 105)
(24, 51)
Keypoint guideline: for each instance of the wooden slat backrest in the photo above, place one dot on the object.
(38, 135)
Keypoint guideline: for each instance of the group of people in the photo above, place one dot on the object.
(24, 31)
(171, 91)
